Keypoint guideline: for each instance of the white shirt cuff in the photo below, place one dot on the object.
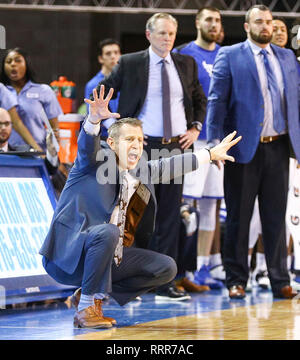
(203, 156)
(91, 129)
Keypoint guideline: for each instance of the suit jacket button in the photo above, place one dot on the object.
(261, 124)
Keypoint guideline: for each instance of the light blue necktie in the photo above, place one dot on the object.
(278, 119)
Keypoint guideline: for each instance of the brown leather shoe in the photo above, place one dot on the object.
(189, 286)
(75, 298)
(89, 318)
(237, 292)
(98, 307)
(286, 293)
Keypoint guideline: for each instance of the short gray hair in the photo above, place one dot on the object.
(114, 129)
(150, 25)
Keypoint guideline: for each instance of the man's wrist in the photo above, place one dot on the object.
(210, 158)
(94, 119)
(197, 125)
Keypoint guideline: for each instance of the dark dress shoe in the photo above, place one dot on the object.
(171, 294)
(237, 292)
(286, 293)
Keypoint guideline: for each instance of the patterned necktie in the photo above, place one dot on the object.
(166, 104)
(278, 119)
(123, 203)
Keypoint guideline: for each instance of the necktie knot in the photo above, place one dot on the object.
(264, 52)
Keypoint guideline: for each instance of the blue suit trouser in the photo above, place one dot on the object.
(140, 270)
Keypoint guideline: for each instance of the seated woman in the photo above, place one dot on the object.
(33, 100)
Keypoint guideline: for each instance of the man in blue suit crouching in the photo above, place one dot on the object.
(107, 204)
(255, 90)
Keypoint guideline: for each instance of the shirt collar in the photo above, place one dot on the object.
(256, 49)
(26, 86)
(5, 147)
(155, 59)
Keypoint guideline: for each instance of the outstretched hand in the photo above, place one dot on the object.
(219, 152)
(98, 108)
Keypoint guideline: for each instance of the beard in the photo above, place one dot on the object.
(261, 39)
(4, 138)
(209, 37)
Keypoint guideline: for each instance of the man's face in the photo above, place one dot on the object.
(128, 147)
(209, 25)
(260, 26)
(110, 56)
(163, 36)
(280, 34)
(5, 128)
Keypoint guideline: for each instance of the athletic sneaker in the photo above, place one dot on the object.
(217, 272)
(248, 287)
(295, 281)
(263, 280)
(203, 277)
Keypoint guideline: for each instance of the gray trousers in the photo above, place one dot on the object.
(140, 270)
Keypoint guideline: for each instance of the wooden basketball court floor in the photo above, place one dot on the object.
(207, 316)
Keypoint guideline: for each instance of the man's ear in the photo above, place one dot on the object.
(111, 142)
(246, 27)
(100, 61)
(147, 33)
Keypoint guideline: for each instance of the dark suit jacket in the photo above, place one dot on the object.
(130, 78)
(87, 201)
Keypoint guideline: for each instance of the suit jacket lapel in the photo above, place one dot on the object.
(281, 59)
(180, 67)
(249, 58)
(142, 71)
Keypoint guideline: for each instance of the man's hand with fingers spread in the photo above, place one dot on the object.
(98, 108)
(219, 152)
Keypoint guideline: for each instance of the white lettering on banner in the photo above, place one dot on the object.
(293, 210)
(25, 217)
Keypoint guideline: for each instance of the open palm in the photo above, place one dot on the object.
(98, 108)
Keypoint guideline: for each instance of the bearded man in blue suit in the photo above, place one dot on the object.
(107, 205)
(254, 89)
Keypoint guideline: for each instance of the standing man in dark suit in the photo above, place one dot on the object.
(162, 90)
(254, 89)
(98, 214)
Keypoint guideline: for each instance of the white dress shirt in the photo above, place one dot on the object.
(268, 128)
(151, 112)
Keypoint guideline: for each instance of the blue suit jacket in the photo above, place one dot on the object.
(86, 202)
(235, 100)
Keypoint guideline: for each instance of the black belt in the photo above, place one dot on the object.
(162, 140)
